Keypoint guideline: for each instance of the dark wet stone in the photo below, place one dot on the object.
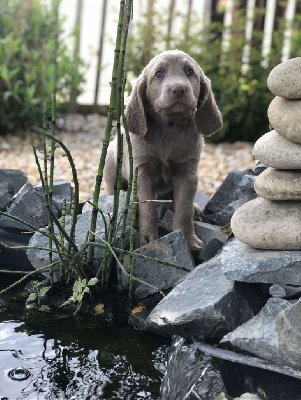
(204, 304)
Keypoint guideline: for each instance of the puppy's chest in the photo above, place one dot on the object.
(173, 148)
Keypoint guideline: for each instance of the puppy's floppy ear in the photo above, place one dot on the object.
(207, 117)
(135, 112)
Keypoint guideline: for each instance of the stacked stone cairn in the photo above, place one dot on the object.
(273, 220)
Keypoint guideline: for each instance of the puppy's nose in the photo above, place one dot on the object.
(178, 90)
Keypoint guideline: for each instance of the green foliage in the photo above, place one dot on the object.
(34, 300)
(27, 43)
(243, 98)
(80, 287)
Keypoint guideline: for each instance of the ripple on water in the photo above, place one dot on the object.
(69, 359)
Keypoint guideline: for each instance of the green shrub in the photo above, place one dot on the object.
(27, 42)
(242, 98)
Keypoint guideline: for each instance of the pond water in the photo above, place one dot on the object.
(68, 358)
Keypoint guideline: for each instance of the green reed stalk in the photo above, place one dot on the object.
(117, 187)
(49, 190)
(63, 223)
(133, 225)
(76, 190)
(120, 109)
(112, 250)
(37, 271)
(108, 129)
(131, 170)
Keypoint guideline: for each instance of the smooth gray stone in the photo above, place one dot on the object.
(11, 180)
(204, 304)
(171, 248)
(226, 192)
(267, 224)
(285, 117)
(288, 327)
(245, 264)
(276, 151)
(29, 206)
(277, 184)
(284, 80)
(258, 335)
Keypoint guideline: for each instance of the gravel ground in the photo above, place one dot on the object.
(216, 161)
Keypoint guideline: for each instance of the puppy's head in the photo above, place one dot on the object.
(173, 87)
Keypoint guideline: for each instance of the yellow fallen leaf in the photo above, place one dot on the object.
(138, 309)
(99, 309)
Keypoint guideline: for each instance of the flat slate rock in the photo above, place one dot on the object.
(62, 190)
(39, 258)
(276, 151)
(213, 238)
(29, 206)
(285, 117)
(171, 248)
(106, 205)
(258, 336)
(277, 184)
(288, 327)
(284, 80)
(204, 304)
(11, 180)
(245, 264)
(267, 224)
(225, 194)
(224, 217)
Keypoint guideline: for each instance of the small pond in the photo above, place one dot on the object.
(73, 358)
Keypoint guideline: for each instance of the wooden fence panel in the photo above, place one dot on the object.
(98, 21)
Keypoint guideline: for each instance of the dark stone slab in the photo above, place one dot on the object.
(258, 336)
(226, 192)
(204, 304)
(172, 248)
(11, 181)
(243, 263)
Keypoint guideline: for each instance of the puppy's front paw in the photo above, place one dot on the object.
(147, 238)
(195, 244)
(197, 212)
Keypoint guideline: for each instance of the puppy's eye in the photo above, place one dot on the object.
(159, 74)
(189, 72)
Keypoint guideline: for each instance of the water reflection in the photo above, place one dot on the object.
(77, 359)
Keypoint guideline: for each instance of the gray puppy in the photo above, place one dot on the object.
(170, 109)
